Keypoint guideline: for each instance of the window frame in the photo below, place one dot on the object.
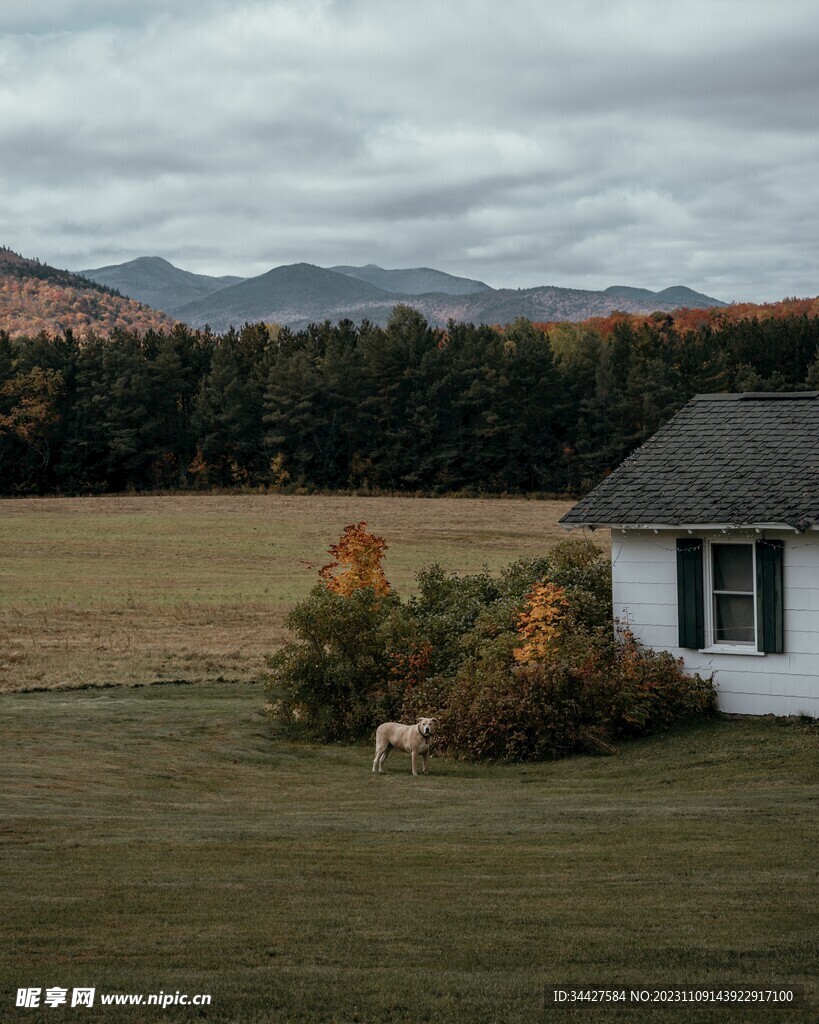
(728, 646)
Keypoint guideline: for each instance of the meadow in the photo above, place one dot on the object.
(163, 839)
(131, 590)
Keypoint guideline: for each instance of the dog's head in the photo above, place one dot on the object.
(427, 726)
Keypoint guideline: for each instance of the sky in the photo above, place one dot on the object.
(522, 143)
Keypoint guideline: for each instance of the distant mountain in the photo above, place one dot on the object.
(158, 283)
(302, 293)
(548, 303)
(417, 281)
(678, 294)
(36, 297)
(682, 296)
(299, 293)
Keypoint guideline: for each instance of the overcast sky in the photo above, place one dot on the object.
(579, 144)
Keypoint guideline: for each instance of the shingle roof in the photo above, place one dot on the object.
(744, 459)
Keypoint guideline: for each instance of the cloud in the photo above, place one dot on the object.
(608, 142)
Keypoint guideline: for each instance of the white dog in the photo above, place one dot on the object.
(412, 739)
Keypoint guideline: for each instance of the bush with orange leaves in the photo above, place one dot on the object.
(591, 690)
(548, 674)
(525, 665)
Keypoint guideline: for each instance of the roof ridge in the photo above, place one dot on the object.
(755, 396)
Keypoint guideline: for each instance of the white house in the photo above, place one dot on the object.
(715, 546)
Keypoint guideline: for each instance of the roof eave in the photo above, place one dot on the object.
(690, 527)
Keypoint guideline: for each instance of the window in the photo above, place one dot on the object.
(733, 596)
(730, 594)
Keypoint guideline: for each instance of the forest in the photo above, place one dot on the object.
(527, 408)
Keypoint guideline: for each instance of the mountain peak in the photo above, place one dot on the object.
(413, 280)
(157, 261)
(157, 282)
(678, 294)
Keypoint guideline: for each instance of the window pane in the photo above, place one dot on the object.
(733, 567)
(733, 619)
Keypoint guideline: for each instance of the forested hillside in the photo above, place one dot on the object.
(35, 297)
(404, 408)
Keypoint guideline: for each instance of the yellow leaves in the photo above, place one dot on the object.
(279, 474)
(357, 564)
(540, 623)
(34, 398)
(199, 470)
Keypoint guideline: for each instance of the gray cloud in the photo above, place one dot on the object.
(608, 142)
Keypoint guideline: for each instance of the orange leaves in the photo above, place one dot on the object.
(684, 319)
(411, 667)
(540, 623)
(357, 562)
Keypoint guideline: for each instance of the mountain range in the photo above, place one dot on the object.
(301, 293)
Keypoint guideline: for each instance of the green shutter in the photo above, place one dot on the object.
(769, 614)
(690, 599)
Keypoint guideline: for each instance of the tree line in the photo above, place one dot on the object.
(407, 407)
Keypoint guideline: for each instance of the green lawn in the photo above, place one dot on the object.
(162, 839)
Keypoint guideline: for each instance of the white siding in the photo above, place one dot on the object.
(644, 571)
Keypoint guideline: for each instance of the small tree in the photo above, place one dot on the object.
(357, 563)
(33, 397)
(334, 679)
(540, 622)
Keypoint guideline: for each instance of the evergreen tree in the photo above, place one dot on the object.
(227, 414)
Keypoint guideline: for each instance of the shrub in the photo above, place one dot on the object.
(525, 665)
(584, 572)
(449, 608)
(649, 690)
(590, 689)
(513, 714)
(333, 680)
(445, 611)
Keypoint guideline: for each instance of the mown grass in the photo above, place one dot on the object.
(163, 839)
(143, 589)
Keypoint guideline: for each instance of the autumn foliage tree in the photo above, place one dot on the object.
(32, 400)
(334, 679)
(356, 562)
(540, 622)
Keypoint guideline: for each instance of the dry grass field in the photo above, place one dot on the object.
(130, 590)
